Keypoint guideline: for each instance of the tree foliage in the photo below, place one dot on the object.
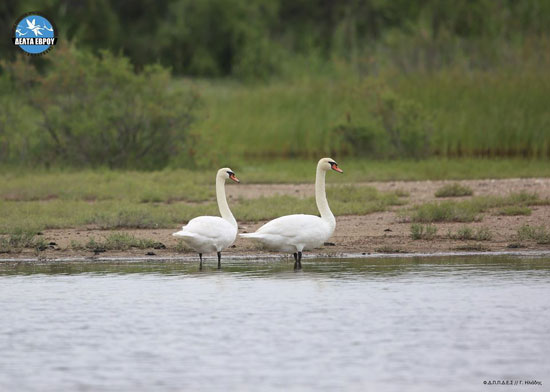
(94, 111)
(251, 38)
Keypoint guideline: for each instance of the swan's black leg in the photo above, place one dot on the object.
(299, 260)
(295, 261)
(219, 260)
(200, 265)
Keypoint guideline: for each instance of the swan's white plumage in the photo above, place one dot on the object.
(295, 233)
(206, 234)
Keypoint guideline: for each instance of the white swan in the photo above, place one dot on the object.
(211, 233)
(294, 233)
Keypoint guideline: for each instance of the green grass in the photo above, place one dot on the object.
(42, 199)
(356, 170)
(469, 210)
(514, 211)
(447, 211)
(423, 232)
(173, 185)
(454, 190)
(117, 241)
(129, 212)
(19, 240)
(499, 113)
(502, 113)
(468, 233)
(539, 234)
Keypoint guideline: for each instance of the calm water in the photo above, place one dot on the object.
(421, 324)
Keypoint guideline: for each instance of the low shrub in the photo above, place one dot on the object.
(423, 232)
(539, 234)
(21, 239)
(396, 128)
(444, 212)
(454, 190)
(88, 110)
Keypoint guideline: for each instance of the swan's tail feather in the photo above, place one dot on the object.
(184, 234)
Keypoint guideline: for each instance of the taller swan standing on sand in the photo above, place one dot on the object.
(211, 233)
(295, 233)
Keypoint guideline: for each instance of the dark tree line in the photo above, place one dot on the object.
(253, 37)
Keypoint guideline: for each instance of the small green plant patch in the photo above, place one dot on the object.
(468, 210)
(539, 234)
(467, 233)
(447, 211)
(454, 190)
(117, 241)
(464, 233)
(423, 232)
(514, 211)
(21, 239)
(483, 234)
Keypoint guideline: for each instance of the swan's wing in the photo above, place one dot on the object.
(293, 228)
(209, 229)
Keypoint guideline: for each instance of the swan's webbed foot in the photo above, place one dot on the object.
(299, 260)
(200, 265)
(219, 260)
(295, 261)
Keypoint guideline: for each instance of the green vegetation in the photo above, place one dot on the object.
(539, 234)
(344, 200)
(117, 241)
(469, 210)
(92, 111)
(287, 80)
(447, 211)
(19, 240)
(467, 233)
(117, 200)
(261, 39)
(246, 124)
(483, 234)
(454, 190)
(514, 210)
(126, 199)
(382, 117)
(175, 185)
(423, 232)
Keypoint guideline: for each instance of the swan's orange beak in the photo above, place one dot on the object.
(232, 176)
(335, 167)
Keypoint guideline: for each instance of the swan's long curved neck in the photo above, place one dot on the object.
(222, 202)
(321, 198)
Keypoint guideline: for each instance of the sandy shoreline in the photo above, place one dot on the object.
(376, 233)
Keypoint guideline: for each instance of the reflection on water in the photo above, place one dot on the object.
(383, 324)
